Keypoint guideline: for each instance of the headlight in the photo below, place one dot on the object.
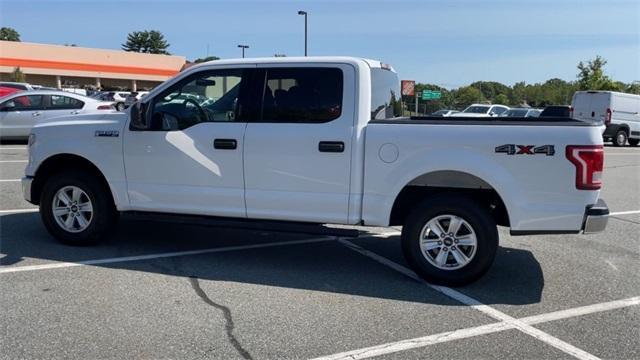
(32, 140)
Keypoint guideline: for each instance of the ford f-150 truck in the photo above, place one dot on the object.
(318, 140)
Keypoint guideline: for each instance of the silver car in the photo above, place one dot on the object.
(20, 111)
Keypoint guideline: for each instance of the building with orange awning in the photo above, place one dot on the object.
(71, 66)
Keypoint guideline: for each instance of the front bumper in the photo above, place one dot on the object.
(595, 218)
(26, 188)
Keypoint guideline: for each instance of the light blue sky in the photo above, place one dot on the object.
(446, 42)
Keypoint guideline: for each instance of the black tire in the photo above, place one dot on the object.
(633, 142)
(104, 216)
(463, 207)
(120, 106)
(621, 138)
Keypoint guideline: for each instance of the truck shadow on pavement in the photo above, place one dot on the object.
(516, 277)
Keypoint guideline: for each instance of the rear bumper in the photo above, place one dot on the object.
(595, 221)
(595, 218)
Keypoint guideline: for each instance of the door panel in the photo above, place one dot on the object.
(288, 174)
(185, 163)
(181, 171)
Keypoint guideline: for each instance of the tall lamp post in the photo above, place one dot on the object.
(305, 30)
(243, 47)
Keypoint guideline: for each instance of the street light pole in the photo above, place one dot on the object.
(305, 30)
(243, 47)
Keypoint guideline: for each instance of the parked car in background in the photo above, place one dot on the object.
(20, 111)
(521, 112)
(557, 111)
(482, 110)
(4, 91)
(40, 87)
(619, 112)
(17, 85)
(117, 97)
(82, 92)
(133, 97)
(444, 113)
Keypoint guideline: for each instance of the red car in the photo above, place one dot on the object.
(4, 91)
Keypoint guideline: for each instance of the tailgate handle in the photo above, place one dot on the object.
(225, 144)
(331, 146)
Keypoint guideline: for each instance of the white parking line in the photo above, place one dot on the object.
(14, 161)
(475, 304)
(18, 211)
(625, 212)
(13, 148)
(60, 265)
(424, 341)
(9, 180)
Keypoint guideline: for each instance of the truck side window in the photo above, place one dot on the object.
(385, 94)
(208, 96)
(302, 95)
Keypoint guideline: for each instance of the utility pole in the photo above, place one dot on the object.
(243, 47)
(305, 30)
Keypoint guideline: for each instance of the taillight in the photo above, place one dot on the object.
(105, 107)
(589, 162)
(607, 120)
(571, 111)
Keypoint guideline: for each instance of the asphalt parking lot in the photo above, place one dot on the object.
(159, 290)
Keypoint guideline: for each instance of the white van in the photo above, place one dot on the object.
(619, 112)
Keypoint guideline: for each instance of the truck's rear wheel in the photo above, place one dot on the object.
(621, 138)
(76, 208)
(634, 142)
(450, 240)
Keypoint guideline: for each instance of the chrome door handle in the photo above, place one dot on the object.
(36, 114)
(75, 112)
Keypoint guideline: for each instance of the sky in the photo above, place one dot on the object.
(446, 42)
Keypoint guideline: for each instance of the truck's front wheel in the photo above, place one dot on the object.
(450, 240)
(76, 208)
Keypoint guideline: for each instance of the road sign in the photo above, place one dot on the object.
(408, 87)
(431, 95)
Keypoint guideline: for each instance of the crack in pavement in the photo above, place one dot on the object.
(229, 325)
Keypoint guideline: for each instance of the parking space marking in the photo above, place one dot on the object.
(14, 161)
(13, 148)
(459, 334)
(625, 212)
(60, 265)
(10, 180)
(18, 211)
(477, 305)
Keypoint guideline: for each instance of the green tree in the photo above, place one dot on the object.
(591, 75)
(501, 99)
(208, 58)
(9, 34)
(147, 41)
(18, 76)
(466, 96)
(633, 88)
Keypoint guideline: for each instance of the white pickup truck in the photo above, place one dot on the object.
(318, 140)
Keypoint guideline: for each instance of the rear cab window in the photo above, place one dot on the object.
(385, 94)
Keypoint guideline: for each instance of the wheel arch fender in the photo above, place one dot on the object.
(457, 169)
(61, 162)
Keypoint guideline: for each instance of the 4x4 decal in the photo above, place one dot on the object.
(513, 149)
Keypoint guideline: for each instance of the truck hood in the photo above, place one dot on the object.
(99, 121)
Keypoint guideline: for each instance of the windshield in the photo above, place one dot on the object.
(477, 109)
(440, 112)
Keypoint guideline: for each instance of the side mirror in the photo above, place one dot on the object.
(138, 115)
(8, 106)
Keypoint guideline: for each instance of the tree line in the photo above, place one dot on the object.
(590, 76)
